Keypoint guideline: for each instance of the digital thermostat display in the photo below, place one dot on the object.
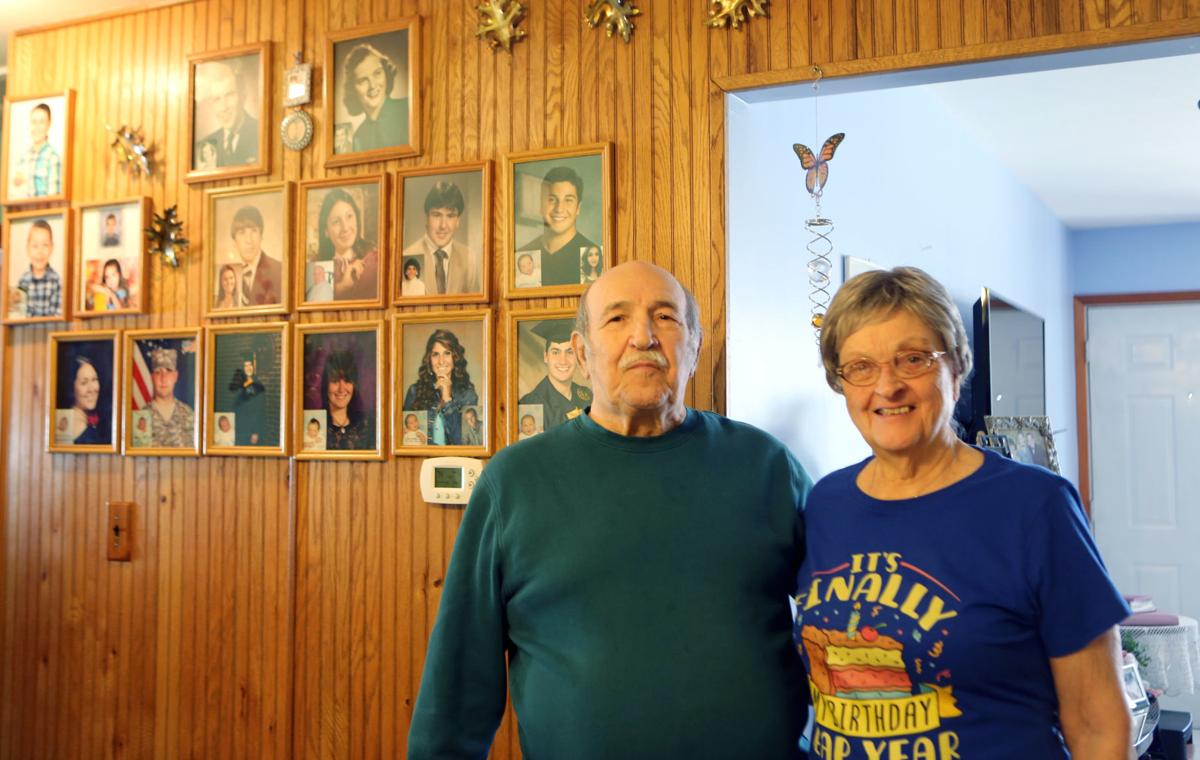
(449, 480)
(447, 477)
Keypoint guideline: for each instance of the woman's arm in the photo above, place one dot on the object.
(1095, 717)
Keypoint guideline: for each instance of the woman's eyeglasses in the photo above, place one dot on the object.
(905, 364)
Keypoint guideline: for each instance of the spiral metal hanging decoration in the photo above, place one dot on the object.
(820, 229)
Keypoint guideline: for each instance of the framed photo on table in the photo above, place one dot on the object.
(228, 111)
(372, 97)
(81, 414)
(443, 380)
(248, 255)
(559, 222)
(445, 220)
(38, 132)
(246, 389)
(341, 407)
(36, 266)
(1029, 439)
(110, 261)
(162, 392)
(344, 228)
(546, 386)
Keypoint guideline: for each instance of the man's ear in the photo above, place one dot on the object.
(580, 347)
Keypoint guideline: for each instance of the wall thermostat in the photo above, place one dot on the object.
(449, 480)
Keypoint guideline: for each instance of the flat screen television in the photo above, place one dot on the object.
(1010, 361)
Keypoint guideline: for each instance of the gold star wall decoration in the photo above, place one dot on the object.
(616, 15)
(721, 12)
(499, 26)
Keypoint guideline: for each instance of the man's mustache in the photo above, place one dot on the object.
(659, 359)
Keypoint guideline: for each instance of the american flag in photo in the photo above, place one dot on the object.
(139, 377)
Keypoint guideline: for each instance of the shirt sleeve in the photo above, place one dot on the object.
(463, 688)
(1077, 600)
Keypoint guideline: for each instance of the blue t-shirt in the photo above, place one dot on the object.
(927, 624)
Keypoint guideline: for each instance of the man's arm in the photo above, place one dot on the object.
(463, 688)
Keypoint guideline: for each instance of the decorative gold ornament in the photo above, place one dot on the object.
(616, 15)
(166, 237)
(721, 11)
(500, 19)
(133, 155)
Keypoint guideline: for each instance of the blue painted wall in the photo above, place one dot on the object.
(1149, 259)
(909, 186)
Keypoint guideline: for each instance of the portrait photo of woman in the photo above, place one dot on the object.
(370, 96)
(341, 378)
(228, 296)
(342, 226)
(84, 392)
(443, 370)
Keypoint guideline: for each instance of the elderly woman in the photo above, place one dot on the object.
(443, 388)
(355, 259)
(951, 602)
(349, 426)
(368, 78)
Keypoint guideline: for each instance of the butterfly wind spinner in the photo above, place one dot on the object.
(818, 166)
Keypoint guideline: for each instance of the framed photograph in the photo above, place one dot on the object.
(546, 387)
(110, 258)
(82, 402)
(1029, 439)
(162, 392)
(445, 217)
(344, 227)
(35, 265)
(340, 410)
(245, 406)
(228, 111)
(559, 224)
(372, 98)
(247, 256)
(38, 131)
(443, 381)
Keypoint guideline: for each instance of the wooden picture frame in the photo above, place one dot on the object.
(1030, 439)
(162, 360)
(26, 297)
(111, 258)
(553, 198)
(229, 110)
(81, 415)
(260, 396)
(468, 335)
(392, 51)
(237, 217)
(323, 281)
(459, 222)
(541, 361)
(44, 175)
(325, 352)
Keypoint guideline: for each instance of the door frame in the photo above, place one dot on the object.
(1081, 381)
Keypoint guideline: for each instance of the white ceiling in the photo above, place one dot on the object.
(1102, 145)
(22, 14)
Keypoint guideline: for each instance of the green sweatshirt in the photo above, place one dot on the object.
(638, 588)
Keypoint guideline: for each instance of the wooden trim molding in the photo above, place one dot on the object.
(1081, 379)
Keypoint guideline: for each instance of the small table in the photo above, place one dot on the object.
(1174, 652)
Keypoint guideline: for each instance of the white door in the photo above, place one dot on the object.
(1144, 427)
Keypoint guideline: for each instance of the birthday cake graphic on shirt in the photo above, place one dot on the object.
(869, 665)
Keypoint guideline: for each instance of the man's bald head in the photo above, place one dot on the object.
(631, 270)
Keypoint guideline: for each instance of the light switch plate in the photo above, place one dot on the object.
(120, 531)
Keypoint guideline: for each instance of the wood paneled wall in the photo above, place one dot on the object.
(280, 609)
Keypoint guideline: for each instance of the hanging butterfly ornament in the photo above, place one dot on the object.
(820, 244)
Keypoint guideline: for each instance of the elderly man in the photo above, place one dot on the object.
(631, 567)
(236, 137)
(172, 422)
